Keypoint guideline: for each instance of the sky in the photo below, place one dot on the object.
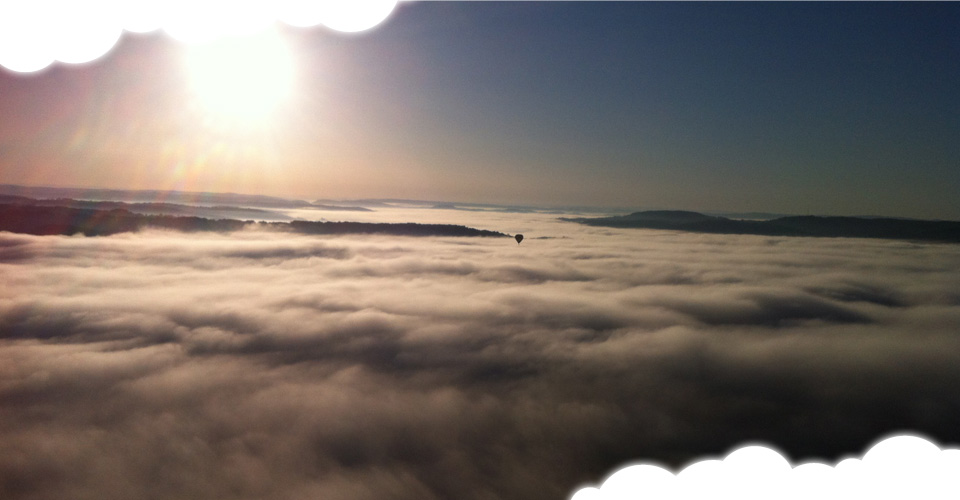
(805, 108)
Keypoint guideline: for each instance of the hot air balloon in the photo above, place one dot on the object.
(519, 238)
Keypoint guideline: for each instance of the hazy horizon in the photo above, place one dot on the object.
(457, 204)
(832, 108)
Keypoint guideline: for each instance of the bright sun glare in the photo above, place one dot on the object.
(242, 80)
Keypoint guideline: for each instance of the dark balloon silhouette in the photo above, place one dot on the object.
(519, 238)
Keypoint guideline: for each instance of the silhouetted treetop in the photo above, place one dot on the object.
(66, 220)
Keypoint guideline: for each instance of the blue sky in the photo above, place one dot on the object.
(810, 107)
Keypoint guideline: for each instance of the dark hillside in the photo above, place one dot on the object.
(852, 227)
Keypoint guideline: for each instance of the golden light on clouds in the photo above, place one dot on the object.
(243, 80)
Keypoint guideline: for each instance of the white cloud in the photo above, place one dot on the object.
(896, 467)
(34, 34)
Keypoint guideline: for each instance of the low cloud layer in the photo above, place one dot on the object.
(278, 366)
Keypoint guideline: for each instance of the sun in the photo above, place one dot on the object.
(241, 80)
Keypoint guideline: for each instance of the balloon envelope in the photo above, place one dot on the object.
(519, 238)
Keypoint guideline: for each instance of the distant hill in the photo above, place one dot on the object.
(154, 208)
(66, 220)
(667, 217)
(858, 227)
(360, 203)
(465, 206)
(150, 196)
(338, 208)
(169, 198)
(749, 215)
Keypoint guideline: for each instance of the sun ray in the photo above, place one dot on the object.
(241, 80)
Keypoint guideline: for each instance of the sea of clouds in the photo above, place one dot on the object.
(264, 365)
